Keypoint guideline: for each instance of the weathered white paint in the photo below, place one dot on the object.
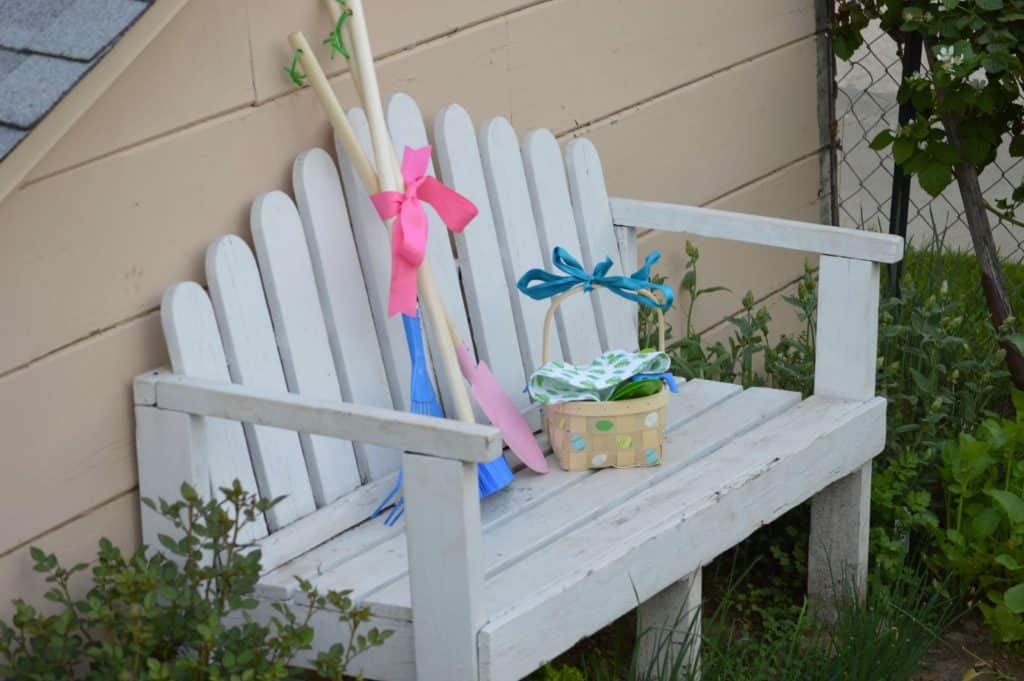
(445, 566)
(542, 605)
(443, 438)
(845, 366)
(195, 350)
(536, 509)
(172, 450)
(616, 316)
(516, 230)
(373, 244)
(671, 622)
(251, 349)
(552, 209)
(549, 519)
(757, 229)
(301, 336)
(407, 130)
(562, 553)
(339, 277)
(488, 296)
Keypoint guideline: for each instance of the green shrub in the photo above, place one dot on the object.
(981, 538)
(940, 366)
(884, 637)
(183, 616)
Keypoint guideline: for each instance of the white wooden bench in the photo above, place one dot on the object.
(289, 377)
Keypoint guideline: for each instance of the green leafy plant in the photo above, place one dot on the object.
(965, 105)
(884, 637)
(981, 539)
(735, 359)
(185, 613)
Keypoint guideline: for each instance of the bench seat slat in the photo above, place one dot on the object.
(597, 492)
(532, 499)
(527, 489)
(540, 606)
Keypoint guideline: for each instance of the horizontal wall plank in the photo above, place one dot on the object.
(68, 440)
(630, 52)
(142, 218)
(741, 124)
(181, 87)
(196, 68)
(394, 25)
(117, 520)
(791, 192)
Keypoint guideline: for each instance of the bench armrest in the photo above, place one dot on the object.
(444, 438)
(754, 229)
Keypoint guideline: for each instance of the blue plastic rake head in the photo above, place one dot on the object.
(492, 475)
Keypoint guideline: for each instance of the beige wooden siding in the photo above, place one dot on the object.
(702, 102)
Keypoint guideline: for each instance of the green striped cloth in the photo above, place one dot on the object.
(559, 381)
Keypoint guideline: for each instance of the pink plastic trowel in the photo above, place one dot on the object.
(499, 408)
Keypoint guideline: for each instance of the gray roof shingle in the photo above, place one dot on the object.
(46, 46)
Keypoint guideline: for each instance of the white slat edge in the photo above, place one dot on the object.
(488, 294)
(350, 329)
(546, 523)
(195, 350)
(251, 349)
(616, 316)
(553, 211)
(374, 571)
(517, 234)
(405, 122)
(301, 336)
(373, 244)
(597, 572)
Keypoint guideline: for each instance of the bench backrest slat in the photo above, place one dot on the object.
(301, 336)
(517, 234)
(346, 308)
(407, 129)
(308, 313)
(374, 247)
(483, 276)
(616, 316)
(552, 207)
(251, 349)
(195, 349)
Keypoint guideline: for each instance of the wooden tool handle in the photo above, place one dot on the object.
(335, 114)
(391, 179)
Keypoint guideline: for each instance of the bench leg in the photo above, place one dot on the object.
(838, 550)
(847, 351)
(171, 450)
(446, 575)
(676, 608)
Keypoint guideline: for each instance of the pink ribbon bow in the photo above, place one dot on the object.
(409, 231)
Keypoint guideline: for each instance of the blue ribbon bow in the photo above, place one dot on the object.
(540, 284)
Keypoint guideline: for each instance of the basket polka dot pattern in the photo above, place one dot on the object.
(608, 434)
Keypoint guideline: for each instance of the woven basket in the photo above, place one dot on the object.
(622, 433)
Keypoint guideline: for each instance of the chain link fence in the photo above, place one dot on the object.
(865, 105)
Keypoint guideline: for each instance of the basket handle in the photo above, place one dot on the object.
(557, 301)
